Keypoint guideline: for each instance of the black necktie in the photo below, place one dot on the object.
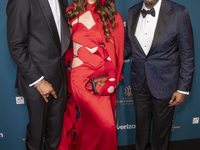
(145, 12)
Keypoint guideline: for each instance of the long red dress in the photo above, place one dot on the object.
(96, 127)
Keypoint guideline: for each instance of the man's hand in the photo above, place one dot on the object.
(46, 89)
(176, 99)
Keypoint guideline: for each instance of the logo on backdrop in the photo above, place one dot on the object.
(125, 24)
(127, 96)
(174, 126)
(127, 91)
(1, 135)
(19, 100)
(195, 120)
(127, 60)
(126, 127)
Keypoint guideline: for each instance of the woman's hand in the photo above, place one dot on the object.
(108, 88)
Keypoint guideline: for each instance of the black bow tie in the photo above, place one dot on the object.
(145, 12)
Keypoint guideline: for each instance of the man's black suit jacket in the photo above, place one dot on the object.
(34, 44)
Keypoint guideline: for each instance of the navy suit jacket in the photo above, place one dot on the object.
(169, 65)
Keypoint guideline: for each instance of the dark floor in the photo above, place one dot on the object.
(193, 144)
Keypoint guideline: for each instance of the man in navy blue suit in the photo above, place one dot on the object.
(159, 37)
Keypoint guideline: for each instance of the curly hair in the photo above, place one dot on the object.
(107, 13)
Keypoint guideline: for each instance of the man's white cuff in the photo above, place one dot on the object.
(183, 92)
(32, 84)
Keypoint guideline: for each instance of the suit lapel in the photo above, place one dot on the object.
(163, 20)
(65, 33)
(50, 20)
(135, 18)
(134, 23)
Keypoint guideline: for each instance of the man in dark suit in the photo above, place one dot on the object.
(160, 39)
(38, 36)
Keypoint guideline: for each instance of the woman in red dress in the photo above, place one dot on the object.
(98, 41)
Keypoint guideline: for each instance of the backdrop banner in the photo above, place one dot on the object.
(13, 111)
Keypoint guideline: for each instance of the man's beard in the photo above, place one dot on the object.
(150, 2)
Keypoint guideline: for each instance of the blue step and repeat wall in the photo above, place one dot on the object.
(13, 111)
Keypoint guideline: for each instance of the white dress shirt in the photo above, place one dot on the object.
(146, 28)
(56, 14)
(54, 5)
